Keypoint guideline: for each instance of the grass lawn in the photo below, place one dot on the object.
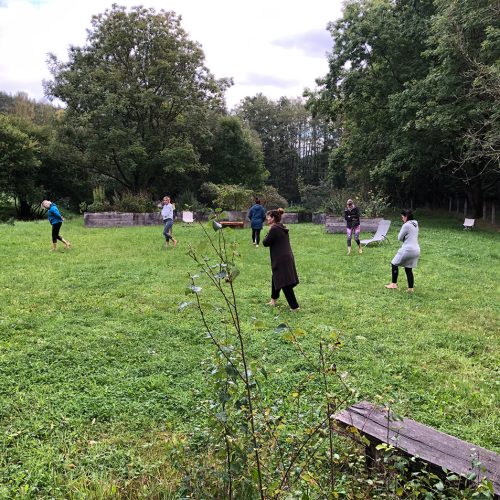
(99, 370)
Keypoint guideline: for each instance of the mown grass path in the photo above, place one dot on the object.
(97, 362)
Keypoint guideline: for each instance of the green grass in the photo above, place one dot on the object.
(99, 370)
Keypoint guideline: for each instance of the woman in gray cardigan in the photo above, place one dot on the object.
(409, 252)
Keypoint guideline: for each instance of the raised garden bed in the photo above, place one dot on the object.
(337, 224)
(121, 219)
(318, 218)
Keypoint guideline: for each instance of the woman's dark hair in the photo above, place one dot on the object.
(257, 201)
(408, 213)
(276, 214)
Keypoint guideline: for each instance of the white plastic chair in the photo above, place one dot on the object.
(187, 217)
(469, 224)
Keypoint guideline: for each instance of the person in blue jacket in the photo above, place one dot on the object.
(257, 216)
(56, 220)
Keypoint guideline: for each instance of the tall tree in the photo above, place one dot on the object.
(413, 91)
(236, 156)
(377, 48)
(19, 164)
(295, 144)
(131, 90)
(459, 99)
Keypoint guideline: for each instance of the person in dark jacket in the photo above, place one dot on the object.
(56, 220)
(282, 261)
(257, 216)
(351, 216)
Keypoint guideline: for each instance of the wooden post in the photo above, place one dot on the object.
(465, 207)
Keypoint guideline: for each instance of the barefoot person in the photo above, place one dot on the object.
(282, 260)
(257, 216)
(409, 252)
(167, 214)
(351, 216)
(56, 220)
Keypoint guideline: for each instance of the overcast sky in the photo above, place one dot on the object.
(277, 47)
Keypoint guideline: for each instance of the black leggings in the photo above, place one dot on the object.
(409, 275)
(256, 235)
(55, 232)
(289, 295)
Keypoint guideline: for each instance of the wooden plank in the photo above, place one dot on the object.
(422, 441)
(233, 224)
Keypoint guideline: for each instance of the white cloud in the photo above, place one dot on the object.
(239, 38)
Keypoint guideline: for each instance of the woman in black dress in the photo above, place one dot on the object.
(282, 261)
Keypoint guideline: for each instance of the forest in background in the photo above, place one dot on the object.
(409, 110)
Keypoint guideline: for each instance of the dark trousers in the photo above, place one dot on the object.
(55, 232)
(256, 235)
(289, 295)
(409, 275)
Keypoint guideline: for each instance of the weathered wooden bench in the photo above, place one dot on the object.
(233, 224)
(435, 448)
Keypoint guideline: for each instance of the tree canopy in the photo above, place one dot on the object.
(132, 94)
(412, 89)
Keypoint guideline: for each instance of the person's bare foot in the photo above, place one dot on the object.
(392, 286)
(410, 290)
(175, 243)
(272, 303)
(360, 250)
(296, 309)
(348, 250)
(67, 246)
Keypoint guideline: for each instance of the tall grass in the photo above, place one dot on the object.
(101, 374)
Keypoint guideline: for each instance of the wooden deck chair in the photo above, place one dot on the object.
(469, 224)
(380, 234)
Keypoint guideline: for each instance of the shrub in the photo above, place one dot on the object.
(130, 202)
(270, 198)
(100, 203)
(123, 202)
(370, 204)
(233, 197)
(313, 197)
(208, 193)
(187, 201)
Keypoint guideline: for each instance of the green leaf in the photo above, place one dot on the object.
(259, 325)
(281, 328)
